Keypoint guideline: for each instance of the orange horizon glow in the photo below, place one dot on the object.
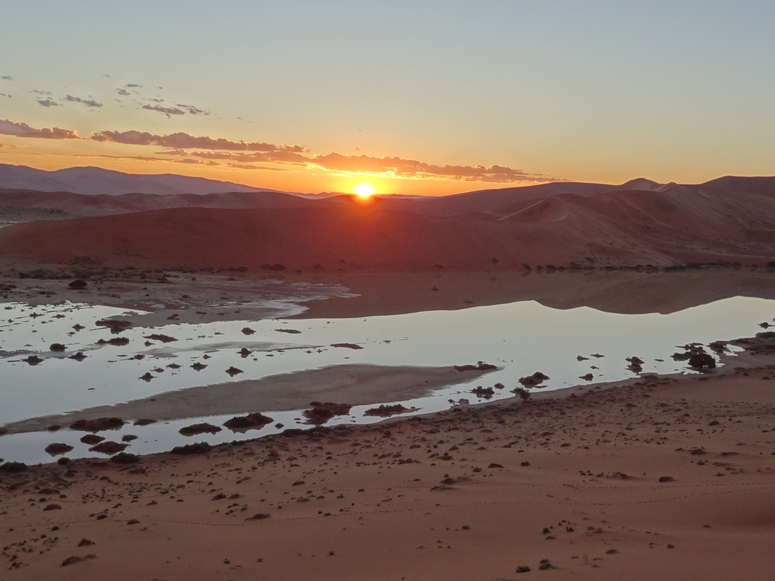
(365, 190)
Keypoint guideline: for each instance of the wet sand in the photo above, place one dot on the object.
(352, 384)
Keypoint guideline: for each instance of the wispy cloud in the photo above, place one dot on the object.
(40, 92)
(132, 85)
(189, 149)
(193, 110)
(48, 103)
(123, 92)
(6, 78)
(5, 95)
(23, 130)
(168, 111)
(85, 102)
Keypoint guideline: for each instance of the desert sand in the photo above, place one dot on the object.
(655, 478)
(667, 478)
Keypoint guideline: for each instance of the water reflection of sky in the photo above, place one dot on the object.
(521, 338)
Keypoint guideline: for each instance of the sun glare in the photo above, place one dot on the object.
(364, 190)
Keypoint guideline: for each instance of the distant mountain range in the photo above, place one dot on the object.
(95, 180)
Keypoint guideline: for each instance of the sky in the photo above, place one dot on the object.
(419, 97)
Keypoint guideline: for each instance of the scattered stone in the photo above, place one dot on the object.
(483, 392)
(32, 360)
(76, 559)
(98, 425)
(57, 347)
(247, 331)
(480, 366)
(117, 341)
(533, 380)
(125, 458)
(384, 411)
(322, 412)
(13, 467)
(144, 422)
(198, 366)
(254, 421)
(291, 331)
(78, 356)
(114, 325)
(78, 284)
(202, 428)
(58, 449)
(91, 439)
(346, 345)
(160, 337)
(192, 449)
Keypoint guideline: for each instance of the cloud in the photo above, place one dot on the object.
(23, 130)
(5, 95)
(183, 141)
(131, 85)
(123, 92)
(409, 168)
(6, 78)
(168, 111)
(193, 110)
(48, 103)
(86, 102)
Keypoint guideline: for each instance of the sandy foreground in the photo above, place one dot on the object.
(657, 478)
(664, 479)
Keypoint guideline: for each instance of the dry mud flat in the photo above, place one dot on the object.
(667, 479)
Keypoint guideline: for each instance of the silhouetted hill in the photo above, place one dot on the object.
(95, 180)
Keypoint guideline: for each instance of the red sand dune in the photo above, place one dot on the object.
(673, 225)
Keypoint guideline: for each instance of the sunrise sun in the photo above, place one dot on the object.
(364, 190)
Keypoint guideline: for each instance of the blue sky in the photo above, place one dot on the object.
(456, 95)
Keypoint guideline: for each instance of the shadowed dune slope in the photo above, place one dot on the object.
(674, 224)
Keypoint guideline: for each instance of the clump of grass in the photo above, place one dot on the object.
(611, 552)
(523, 569)
(545, 565)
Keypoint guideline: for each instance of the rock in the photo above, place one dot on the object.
(125, 458)
(533, 380)
(322, 412)
(384, 411)
(254, 421)
(192, 449)
(480, 366)
(232, 371)
(98, 425)
(160, 337)
(78, 284)
(91, 439)
(347, 346)
(57, 449)
(57, 347)
(202, 428)
(114, 325)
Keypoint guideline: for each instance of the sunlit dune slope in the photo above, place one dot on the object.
(672, 225)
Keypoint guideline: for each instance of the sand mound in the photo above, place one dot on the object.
(676, 224)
